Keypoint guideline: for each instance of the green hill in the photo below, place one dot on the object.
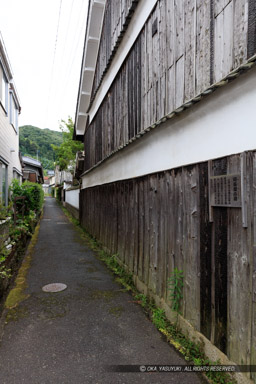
(37, 142)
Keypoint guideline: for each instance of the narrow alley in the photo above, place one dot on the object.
(74, 336)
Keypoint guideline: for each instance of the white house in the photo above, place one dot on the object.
(10, 165)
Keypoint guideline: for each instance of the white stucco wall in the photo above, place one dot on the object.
(222, 124)
(72, 197)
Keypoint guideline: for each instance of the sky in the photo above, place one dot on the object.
(44, 42)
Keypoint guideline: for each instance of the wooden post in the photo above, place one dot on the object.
(209, 189)
(244, 190)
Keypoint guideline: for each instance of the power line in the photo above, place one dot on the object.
(73, 56)
(54, 55)
(69, 20)
(64, 65)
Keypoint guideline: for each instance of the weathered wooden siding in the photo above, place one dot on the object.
(183, 48)
(118, 111)
(161, 221)
(230, 42)
(117, 16)
(251, 28)
(134, 218)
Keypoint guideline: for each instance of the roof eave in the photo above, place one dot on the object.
(96, 9)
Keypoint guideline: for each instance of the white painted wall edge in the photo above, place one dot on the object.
(72, 197)
(143, 10)
(222, 124)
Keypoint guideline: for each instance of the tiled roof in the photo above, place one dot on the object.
(31, 161)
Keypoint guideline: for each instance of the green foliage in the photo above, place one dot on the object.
(159, 318)
(4, 211)
(141, 299)
(5, 272)
(175, 286)
(34, 196)
(24, 223)
(66, 152)
(38, 142)
(58, 193)
(52, 192)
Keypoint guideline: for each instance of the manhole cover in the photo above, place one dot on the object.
(54, 287)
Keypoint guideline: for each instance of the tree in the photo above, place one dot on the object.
(37, 143)
(66, 152)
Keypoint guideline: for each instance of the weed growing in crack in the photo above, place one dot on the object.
(175, 287)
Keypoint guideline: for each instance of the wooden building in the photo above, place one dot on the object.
(166, 112)
(32, 170)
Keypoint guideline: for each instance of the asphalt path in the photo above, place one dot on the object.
(76, 335)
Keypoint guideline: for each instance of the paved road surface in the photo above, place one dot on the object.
(72, 336)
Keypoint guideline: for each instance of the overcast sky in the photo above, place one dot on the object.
(44, 41)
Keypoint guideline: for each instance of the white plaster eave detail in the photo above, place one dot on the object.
(91, 47)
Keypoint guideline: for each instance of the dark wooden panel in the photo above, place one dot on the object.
(119, 117)
(220, 246)
(141, 228)
(220, 265)
(205, 254)
(116, 19)
(251, 48)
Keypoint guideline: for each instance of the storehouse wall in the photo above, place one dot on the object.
(184, 47)
(161, 221)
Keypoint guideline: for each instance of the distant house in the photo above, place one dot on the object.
(46, 184)
(166, 111)
(50, 173)
(10, 165)
(51, 182)
(63, 180)
(32, 170)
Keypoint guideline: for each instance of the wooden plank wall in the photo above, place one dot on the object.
(219, 267)
(178, 51)
(241, 269)
(251, 47)
(205, 254)
(253, 213)
(230, 42)
(161, 221)
(153, 224)
(118, 110)
(117, 16)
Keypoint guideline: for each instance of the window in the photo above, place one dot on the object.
(17, 176)
(3, 184)
(3, 89)
(13, 113)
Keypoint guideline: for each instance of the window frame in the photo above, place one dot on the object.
(4, 80)
(5, 163)
(14, 112)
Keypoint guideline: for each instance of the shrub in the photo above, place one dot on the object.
(33, 193)
(58, 193)
(4, 211)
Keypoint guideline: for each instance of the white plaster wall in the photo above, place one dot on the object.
(9, 140)
(222, 124)
(72, 197)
